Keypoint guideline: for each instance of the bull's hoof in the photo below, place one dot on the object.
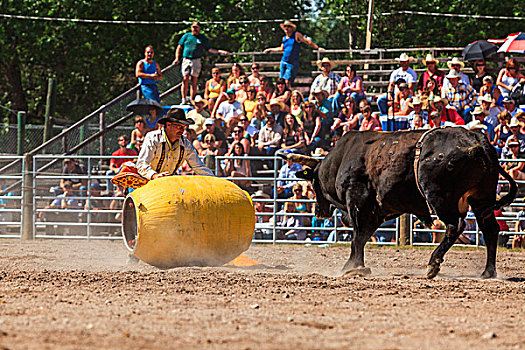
(432, 271)
(357, 271)
(488, 274)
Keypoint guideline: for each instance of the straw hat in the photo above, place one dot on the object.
(274, 102)
(260, 194)
(318, 90)
(452, 74)
(404, 58)
(514, 122)
(476, 125)
(479, 110)
(429, 58)
(287, 23)
(455, 60)
(319, 152)
(440, 99)
(415, 101)
(199, 99)
(325, 60)
(485, 98)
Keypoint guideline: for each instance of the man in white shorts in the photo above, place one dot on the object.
(192, 47)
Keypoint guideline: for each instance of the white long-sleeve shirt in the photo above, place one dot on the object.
(151, 152)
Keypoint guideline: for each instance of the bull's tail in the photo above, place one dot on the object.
(513, 190)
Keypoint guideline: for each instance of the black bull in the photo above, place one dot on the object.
(375, 176)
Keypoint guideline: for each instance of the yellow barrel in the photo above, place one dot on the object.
(188, 220)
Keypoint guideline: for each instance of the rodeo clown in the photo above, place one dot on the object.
(164, 150)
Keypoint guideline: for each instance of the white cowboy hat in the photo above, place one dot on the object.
(485, 98)
(439, 99)
(325, 60)
(455, 60)
(287, 23)
(199, 99)
(319, 152)
(452, 74)
(274, 102)
(514, 122)
(476, 125)
(404, 58)
(429, 58)
(415, 101)
(479, 110)
(318, 90)
(260, 194)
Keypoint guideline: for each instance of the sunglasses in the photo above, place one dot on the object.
(139, 122)
(480, 65)
(243, 120)
(122, 139)
(402, 89)
(255, 68)
(208, 141)
(215, 72)
(236, 131)
(298, 190)
(367, 109)
(261, 99)
(287, 26)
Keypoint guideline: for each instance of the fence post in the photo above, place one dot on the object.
(50, 108)
(27, 199)
(21, 132)
(404, 229)
(81, 137)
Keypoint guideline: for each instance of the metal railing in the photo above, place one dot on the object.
(84, 220)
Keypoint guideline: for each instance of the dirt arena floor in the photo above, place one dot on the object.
(83, 295)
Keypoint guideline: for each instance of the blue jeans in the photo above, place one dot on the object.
(150, 92)
(382, 104)
(339, 100)
(288, 71)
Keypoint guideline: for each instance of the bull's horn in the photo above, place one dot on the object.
(300, 159)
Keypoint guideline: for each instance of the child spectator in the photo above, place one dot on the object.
(267, 87)
(417, 115)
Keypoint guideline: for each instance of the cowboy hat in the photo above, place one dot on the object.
(274, 102)
(318, 90)
(199, 99)
(479, 110)
(415, 101)
(260, 194)
(319, 152)
(476, 125)
(455, 60)
(325, 60)
(452, 74)
(404, 58)
(514, 122)
(429, 58)
(176, 115)
(485, 98)
(440, 99)
(287, 23)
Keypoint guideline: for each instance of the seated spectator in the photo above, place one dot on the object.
(229, 111)
(282, 94)
(240, 137)
(368, 122)
(234, 79)
(289, 223)
(210, 128)
(238, 167)
(432, 73)
(296, 107)
(71, 167)
(327, 81)
(276, 108)
(459, 95)
(262, 227)
(267, 87)
(480, 73)
(502, 131)
(210, 147)
(191, 135)
(270, 137)
(249, 104)
(510, 106)
(293, 136)
(302, 208)
(448, 114)
(242, 92)
(151, 121)
(350, 86)
(260, 111)
(519, 237)
(417, 118)
(138, 134)
(311, 125)
(490, 111)
(515, 169)
(64, 201)
(199, 114)
(404, 74)
(250, 132)
(116, 163)
(429, 93)
(479, 123)
(214, 90)
(489, 89)
(402, 100)
(514, 126)
(287, 171)
(347, 119)
(323, 104)
(254, 78)
(435, 120)
(456, 65)
(509, 76)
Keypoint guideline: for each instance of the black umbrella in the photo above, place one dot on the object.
(143, 105)
(479, 50)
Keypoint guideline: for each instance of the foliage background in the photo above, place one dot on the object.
(95, 62)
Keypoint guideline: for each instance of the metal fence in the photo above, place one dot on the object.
(95, 213)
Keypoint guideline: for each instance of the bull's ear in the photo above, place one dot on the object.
(307, 174)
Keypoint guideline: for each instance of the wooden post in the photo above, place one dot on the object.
(50, 108)
(102, 139)
(404, 230)
(27, 200)
(368, 42)
(21, 132)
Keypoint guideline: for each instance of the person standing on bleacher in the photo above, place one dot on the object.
(149, 73)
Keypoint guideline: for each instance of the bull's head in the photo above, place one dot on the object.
(323, 209)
